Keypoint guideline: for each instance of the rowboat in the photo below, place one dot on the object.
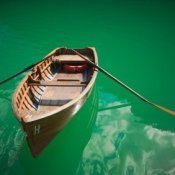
(52, 93)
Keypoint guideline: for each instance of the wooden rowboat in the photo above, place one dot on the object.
(52, 93)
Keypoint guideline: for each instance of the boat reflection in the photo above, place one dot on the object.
(121, 145)
(63, 154)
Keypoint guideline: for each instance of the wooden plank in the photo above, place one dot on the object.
(68, 58)
(55, 96)
(58, 83)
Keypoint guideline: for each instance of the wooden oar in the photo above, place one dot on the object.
(18, 73)
(125, 86)
(24, 70)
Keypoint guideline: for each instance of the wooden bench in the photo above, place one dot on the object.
(68, 59)
(58, 82)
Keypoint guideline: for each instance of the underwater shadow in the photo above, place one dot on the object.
(63, 154)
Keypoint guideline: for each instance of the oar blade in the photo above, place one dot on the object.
(162, 108)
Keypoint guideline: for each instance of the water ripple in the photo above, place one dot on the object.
(119, 145)
(11, 136)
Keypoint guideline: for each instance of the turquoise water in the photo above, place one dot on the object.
(114, 133)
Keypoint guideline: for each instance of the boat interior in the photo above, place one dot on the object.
(55, 81)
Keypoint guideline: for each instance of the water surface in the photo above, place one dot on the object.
(114, 132)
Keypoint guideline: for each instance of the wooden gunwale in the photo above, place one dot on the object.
(41, 114)
(43, 66)
(18, 104)
(88, 87)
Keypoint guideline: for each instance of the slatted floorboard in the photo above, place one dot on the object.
(55, 96)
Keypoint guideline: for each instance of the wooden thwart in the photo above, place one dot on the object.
(68, 59)
(63, 82)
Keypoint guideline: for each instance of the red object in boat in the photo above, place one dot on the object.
(75, 68)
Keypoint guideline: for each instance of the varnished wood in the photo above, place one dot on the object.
(68, 58)
(49, 96)
(58, 83)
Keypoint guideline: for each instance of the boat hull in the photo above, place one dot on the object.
(41, 126)
(39, 133)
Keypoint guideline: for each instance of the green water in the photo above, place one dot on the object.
(114, 133)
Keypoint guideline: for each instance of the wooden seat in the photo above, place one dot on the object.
(68, 59)
(68, 83)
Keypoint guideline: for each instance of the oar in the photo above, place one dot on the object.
(24, 70)
(124, 85)
(18, 73)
